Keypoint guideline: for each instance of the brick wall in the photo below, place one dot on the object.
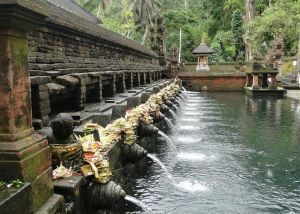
(57, 52)
(199, 82)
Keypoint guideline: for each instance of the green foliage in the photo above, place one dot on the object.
(287, 68)
(17, 183)
(223, 46)
(237, 31)
(221, 21)
(282, 18)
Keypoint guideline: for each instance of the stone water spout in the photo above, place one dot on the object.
(172, 99)
(169, 103)
(144, 130)
(157, 116)
(103, 195)
(164, 108)
(133, 152)
(177, 102)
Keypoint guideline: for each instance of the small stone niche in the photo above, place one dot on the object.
(108, 86)
(136, 80)
(120, 83)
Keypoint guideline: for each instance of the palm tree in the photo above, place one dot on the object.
(145, 11)
(92, 4)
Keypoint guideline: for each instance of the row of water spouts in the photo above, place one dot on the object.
(168, 140)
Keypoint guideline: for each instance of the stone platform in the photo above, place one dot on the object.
(279, 92)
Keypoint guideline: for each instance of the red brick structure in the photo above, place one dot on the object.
(210, 82)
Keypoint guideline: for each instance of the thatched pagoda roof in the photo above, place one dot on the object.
(203, 49)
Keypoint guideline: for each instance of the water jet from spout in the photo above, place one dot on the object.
(138, 202)
(170, 125)
(156, 160)
(168, 140)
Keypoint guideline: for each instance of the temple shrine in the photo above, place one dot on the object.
(202, 52)
(261, 80)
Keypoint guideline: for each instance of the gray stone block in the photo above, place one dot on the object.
(69, 187)
(133, 102)
(67, 80)
(118, 111)
(37, 80)
(55, 89)
(18, 201)
(54, 205)
(45, 67)
(145, 97)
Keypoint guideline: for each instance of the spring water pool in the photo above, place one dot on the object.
(235, 154)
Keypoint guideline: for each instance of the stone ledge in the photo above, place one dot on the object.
(54, 205)
(21, 198)
(69, 187)
(38, 80)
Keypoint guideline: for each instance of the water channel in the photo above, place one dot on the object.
(235, 155)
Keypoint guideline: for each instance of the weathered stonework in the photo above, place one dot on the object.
(23, 155)
(103, 62)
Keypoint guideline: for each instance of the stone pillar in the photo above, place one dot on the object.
(23, 154)
(129, 81)
(249, 80)
(150, 77)
(114, 91)
(159, 75)
(124, 81)
(144, 78)
(80, 93)
(255, 84)
(99, 88)
(273, 84)
(137, 80)
(154, 76)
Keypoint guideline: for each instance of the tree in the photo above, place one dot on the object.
(298, 60)
(223, 46)
(145, 11)
(249, 16)
(231, 5)
(91, 5)
(281, 18)
(237, 31)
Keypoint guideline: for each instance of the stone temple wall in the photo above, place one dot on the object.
(73, 61)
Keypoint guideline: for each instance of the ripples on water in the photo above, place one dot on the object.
(244, 158)
(189, 156)
(192, 186)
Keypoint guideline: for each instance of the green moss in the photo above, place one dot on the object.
(7, 189)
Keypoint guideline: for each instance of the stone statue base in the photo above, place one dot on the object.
(202, 68)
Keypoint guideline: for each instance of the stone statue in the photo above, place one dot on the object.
(62, 127)
(65, 148)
